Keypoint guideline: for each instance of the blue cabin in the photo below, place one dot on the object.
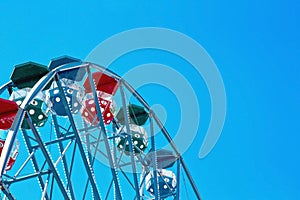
(73, 93)
(166, 183)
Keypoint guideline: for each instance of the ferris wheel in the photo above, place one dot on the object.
(76, 130)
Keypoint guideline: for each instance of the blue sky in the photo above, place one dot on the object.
(255, 45)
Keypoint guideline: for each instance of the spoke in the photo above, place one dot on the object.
(130, 142)
(24, 164)
(48, 159)
(102, 127)
(45, 188)
(78, 141)
(178, 180)
(154, 163)
(33, 159)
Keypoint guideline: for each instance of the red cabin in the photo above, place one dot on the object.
(106, 87)
(8, 111)
(13, 156)
(89, 112)
(103, 82)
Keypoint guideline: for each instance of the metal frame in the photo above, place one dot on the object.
(72, 134)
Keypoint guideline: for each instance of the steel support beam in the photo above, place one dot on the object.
(136, 184)
(64, 159)
(154, 159)
(33, 159)
(87, 166)
(48, 159)
(106, 143)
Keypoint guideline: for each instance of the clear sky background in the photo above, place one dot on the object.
(255, 45)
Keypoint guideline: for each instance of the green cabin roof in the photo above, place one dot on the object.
(28, 74)
(137, 115)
